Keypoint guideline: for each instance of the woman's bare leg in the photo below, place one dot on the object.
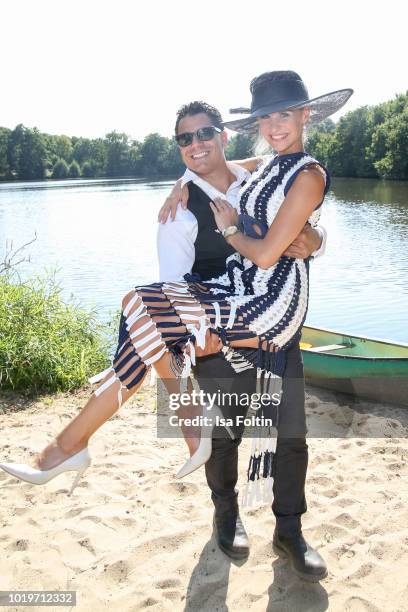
(99, 408)
(75, 436)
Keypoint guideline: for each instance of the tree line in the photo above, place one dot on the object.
(30, 154)
(369, 142)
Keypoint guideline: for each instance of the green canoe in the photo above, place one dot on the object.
(364, 367)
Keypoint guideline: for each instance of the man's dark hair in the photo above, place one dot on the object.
(196, 107)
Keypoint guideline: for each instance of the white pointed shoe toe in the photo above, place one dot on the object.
(76, 463)
(204, 450)
(201, 456)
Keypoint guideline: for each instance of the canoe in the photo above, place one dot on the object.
(363, 367)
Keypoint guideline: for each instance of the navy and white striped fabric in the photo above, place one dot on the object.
(243, 303)
(273, 302)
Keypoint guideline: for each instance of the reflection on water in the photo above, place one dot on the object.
(121, 184)
(361, 284)
(101, 234)
(370, 190)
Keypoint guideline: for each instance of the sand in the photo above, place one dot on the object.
(131, 537)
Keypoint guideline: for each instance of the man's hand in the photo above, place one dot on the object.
(306, 243)
(178, 195)
(213, 345)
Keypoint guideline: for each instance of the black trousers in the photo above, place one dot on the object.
(215, 374)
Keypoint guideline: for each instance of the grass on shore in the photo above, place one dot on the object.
(46, 345)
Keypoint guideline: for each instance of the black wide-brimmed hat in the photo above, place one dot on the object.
(284, 90)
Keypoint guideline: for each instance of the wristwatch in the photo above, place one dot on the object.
(229, 231)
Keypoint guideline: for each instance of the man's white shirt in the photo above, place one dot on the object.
(176, 239)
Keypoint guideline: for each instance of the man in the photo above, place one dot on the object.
(191, 244)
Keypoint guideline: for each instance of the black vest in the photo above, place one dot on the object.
(211, 249)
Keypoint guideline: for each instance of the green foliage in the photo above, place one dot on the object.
(92, 152)
(27, 153)
(82, 149)
(159, 155)
(59, 147)
(45, 344)
(319, 140)
(352, 137)
(240, 146)
(60, 169)
(367, 142)
(90, 169)
(389, 145)
(320, 144)
(4, 145)
(74, 171)
(117, 154)
(171, 163)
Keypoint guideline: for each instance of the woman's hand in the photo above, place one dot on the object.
(224, 214)
(178, 195)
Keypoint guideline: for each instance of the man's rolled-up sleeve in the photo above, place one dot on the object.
(175, 246)
(322, 249)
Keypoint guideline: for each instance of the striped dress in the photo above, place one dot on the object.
(273, 302)
(245, 302)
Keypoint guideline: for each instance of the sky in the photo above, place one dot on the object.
(87, 67)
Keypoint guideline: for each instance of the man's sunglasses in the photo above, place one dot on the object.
(204, 133)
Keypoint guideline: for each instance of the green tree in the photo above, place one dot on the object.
(74, 171)
(394, 133)
(27, 153)
(353, 136)
(172, 163)
(4, 146)
(86, 150)
(240, 146)
(99, 155)
(60, 169)
(33, 156)
(153, 152)
(134, 158)
(89, 169)
(117, 154)
(62, 148)
(320, 139)
(82, 149)
(16, 141)
(367, 142)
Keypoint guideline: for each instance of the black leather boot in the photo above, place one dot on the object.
(229, 530)
(305, 560)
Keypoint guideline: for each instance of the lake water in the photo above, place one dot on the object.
(101, 235)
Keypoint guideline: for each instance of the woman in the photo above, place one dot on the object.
(261, 301)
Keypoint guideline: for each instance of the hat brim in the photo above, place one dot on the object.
(320, 108)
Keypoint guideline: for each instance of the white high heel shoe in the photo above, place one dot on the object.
(76, 463)
(203, 452)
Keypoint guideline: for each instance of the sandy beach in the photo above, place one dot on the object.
(131, 537)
